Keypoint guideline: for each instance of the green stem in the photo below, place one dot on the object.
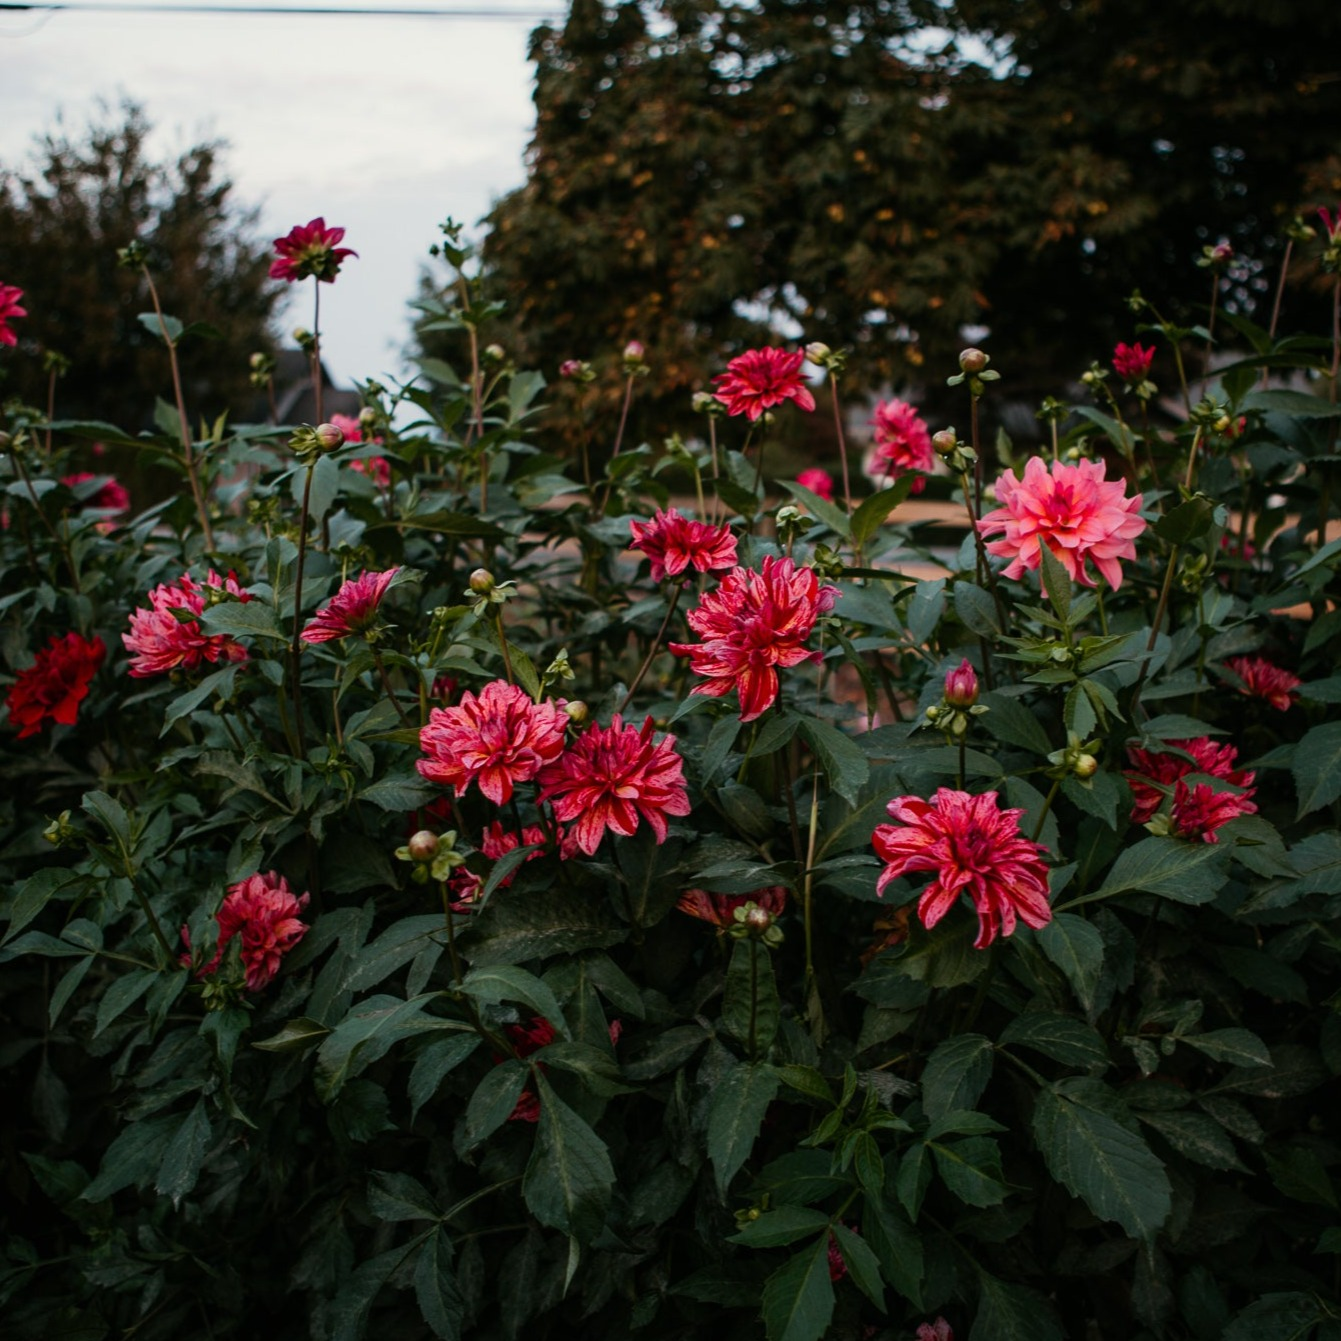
(296, 645)
(386, 685)
(1047, 806)
(652, 651)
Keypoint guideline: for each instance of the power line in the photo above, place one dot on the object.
(151, 7)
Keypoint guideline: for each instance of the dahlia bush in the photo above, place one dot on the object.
(452, 890)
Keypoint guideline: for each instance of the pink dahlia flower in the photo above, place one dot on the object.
(55, 684)
(673, 543)
(347, 425)
(1132, 362)
(940, 1330)
(1073, 510)
(263, 911)
(376, 468)
(612, 776)
(309, 249)
(752, 624)
(499, 739)
(352, 609)
(973, 847)
(165, 638)
(819, 482)
(759, 379)
(901, 443)
(495, 842)
(1260, 679)
(1198, 811)
(112, 496)
(1153, 774)
(961, 686)
(719, 909)
(9, 309)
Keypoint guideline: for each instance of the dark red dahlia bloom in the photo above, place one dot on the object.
(1261, 679)
(263, 912)
(112, 496)
(673, 543)
(759, 379)
(973, 847)
(752, 624)
(55, 684)
(1198, 811)
(1132, 362)
(309, 249)
(610, 778)
(1152, 775)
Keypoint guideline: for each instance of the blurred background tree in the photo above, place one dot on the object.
(903, 175)
(62, 218)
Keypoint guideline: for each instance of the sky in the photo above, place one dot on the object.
(381, 124)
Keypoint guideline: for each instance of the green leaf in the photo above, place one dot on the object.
(844, 764)
(165, 328)
(435, 1287)
(349, 1312)
(1196, 1137)
(897, 1247)
(1239, 1046)
(1012, 1313)
(123, 994)
(775, 1229)
(1056, 582)
(239, 619)
(798, 1297)
(1061, 1037)
(1098, 1160)
(870, 516)
(971, 1169)
(976, 609)
(1010, 722)
(735, 1117)
(35, 893)
(1187, 522)
(393, 949)
(296, 1034)
(808, 1081)
(943, 956)
(395, 1197)
(829, 513)
(750, 1001)
(1185, 872)
(1077, 948)
(457, 524)
(185, 1155)
(862, 1265)
(556, 921)
(133, 1157)
(399, 794)
(1297, 403)
(1317, 767)
(494, 1100)
(956, 1074)
(111, 814)
(367, 1033)
(434, 1062)
(569, 1177)
(1276, 1317)
(504, 982)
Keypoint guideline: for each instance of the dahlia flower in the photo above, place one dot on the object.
(159, 641)
(612, 776)
(901, 443)
(939, 1330)
(1153, 774)
(527, 1039)
(973, 847)
(263, 911)
(499, 739)
(55, 684)
(753, 623)
(1132, 362)
(673, 543)
(759, 379)
(9, 309)
(351, 610)
(1073, 510)
(719, 909)
(961, 686)
(495, 842)
(819, 482)
(1198, 811)
(309, 249)
(1261, 679)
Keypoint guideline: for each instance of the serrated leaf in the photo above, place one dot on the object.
(349, 1312)
(393, 949)
(506, 982)
(971, 1169)
(569, 1176)
(777, 1228)
(1240, 1046)
(133, 1157)
(735, 1117)
(844, 765)
(395, 1197)
(399, 794)
(829, 513)
(185, 1155)
(872, 513)
(436, 1290)
(434, 1062)
(1012, 1313)
(544, 923)
(956, 1074)
(1077, 948)
(296, 1034)
(1009, 721)
(367, 1033)
(975, 609)
(862, 1265)
(1317, 767)
(1196, 1137)
(243, 619)
(1061, 1037)
(750, 997)
(1276, 1317)
(798, 1297)
(1171, 867)
(1098, 1160)
(806, 1080)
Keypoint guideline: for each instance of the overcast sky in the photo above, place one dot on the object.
(381, 124)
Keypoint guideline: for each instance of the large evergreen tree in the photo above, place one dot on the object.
(1021, 166)
(62, 220)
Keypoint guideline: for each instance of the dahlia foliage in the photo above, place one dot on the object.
(655, 894)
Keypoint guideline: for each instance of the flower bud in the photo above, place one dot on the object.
(481, 582)
(705, 402)
(132, 255)
(973, 361)
(944, 442)
(576, 711)
(818, 353)
(367, 416)
(961, 686)
(757, 918)
(1085, 766)
(570, 367)
(329, 437)
(423, 845)
(495, 353)
(634, 351)
(258, 360)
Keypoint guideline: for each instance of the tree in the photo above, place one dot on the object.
(62, 221)
(891, 172)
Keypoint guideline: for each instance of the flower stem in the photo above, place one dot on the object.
(503, 646)
(842, 445)
(623, 416)
(1047, 806)
(652, 651)
(386, 685)
(296, 645)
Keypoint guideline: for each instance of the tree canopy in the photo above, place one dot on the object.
(62, 219)
(891, 172)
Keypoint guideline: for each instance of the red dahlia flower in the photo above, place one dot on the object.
(1073, 510)
(9, 309)
(674, 543)
(1261, 679)
(1198, 811)
(351, 610)
(1153, 774)
(753, 623)
(263, 911)
(527, 1039)
(55, 684)
(901, 443)
(111, 497)
(973, 847)
(160, 641)
(309, 249)
(961, 686)
(719, 909)
(939, 1330)
(495, 842)
(819, 482)
(610, 777)
(1132, 362)
(499, 739)
(759, 379)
